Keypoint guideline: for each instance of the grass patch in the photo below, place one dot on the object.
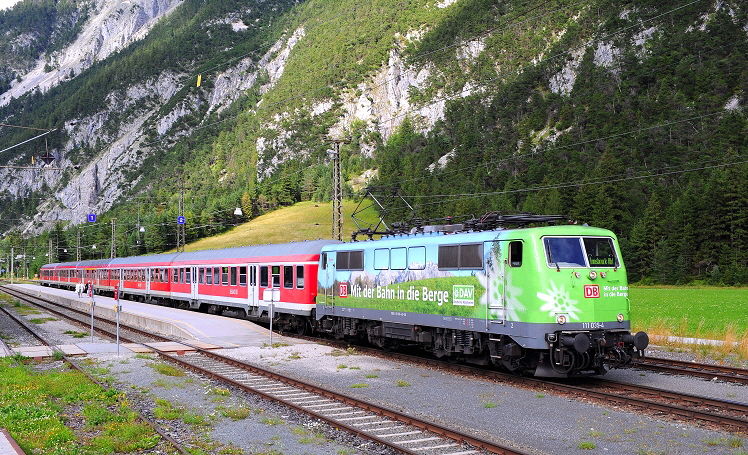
(401, 383)
(586, 445)
(237, 413)
(359, 386)
(489, 405)
(168, 370)
(272, 421)
(372, 376)
(166, 410)
(33, 411)
(23, 309)
(76, 334)
(41, 320)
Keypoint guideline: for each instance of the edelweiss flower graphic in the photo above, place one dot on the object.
(558, 301)
(493, 282)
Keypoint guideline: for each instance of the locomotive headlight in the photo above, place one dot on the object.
(619, 317)
(561, 319)
(593, 274)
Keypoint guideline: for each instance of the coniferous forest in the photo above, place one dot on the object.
(625, 115)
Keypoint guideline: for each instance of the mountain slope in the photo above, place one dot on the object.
(626, 115)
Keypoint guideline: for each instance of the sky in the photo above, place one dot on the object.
(7, 3)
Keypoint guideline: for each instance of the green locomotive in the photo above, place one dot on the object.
(545, 300)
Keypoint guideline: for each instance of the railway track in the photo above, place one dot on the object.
(404, 432)
(398, 431)
(726, 413)
(701, 370)
(33, 332)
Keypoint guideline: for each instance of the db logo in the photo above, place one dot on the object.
(343, 290)
(591, 291)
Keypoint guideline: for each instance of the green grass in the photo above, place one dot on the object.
(167, 370)
(690, 311)
(312, 220)
(34, 408)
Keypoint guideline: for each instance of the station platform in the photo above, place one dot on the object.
(191, 326)
(8, 446)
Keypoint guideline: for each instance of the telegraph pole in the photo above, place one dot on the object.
(337, 189)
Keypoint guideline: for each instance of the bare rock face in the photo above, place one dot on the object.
(113, 25)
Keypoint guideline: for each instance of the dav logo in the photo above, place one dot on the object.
(343, 290)
(591, 291)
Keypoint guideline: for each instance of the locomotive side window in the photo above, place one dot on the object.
(515, 254)
(468, 256)
(600, 252)
(398, 258)
(264, 276)
(324, 261)
(417, 258)
(188, 275)
(202, 275)
(342, 260)
(288, 276)
(564, 252)
(243, 275)
(225, 276)
(209, 275)
(381, 259)
(300, 277)
(253, 275)
(233, 276)
(350, 260)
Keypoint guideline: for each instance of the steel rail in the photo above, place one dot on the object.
(424, 425)
(346, 399)
(615, 398)
(701, 370)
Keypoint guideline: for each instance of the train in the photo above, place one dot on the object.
(525, 293)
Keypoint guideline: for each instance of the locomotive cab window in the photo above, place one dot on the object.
(600, 252)
(564, 252)
(580, 252)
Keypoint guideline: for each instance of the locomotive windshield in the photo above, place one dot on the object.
(580, 252)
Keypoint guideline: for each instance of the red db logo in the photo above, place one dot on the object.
(591, 291)
(343, 290)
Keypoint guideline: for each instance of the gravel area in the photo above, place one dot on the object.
(537, 421)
